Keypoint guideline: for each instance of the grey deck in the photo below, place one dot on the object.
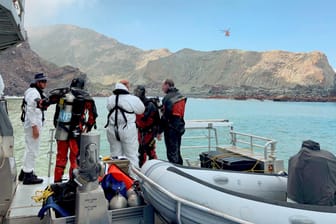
(23, 208)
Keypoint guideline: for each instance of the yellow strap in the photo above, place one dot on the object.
(106, 158)
(42, 195)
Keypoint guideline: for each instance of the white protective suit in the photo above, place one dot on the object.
(127, 130)
(33, 116)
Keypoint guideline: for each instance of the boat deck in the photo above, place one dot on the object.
(235, 150)
(23, 208)
(258, 148)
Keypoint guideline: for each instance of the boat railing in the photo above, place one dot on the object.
(181, 201)
(237, 139)
(211, 135)
(51, 151)
(269, 145)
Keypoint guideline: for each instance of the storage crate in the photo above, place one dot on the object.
(123, 164)
(208, 158)
(237, 163)
(131, 215)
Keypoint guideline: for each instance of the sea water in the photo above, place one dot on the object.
(289, 123)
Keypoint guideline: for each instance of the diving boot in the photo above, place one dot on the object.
(21, 175)
(31, 178)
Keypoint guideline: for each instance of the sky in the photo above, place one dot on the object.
(255, 25)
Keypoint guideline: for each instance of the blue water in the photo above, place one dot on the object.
(289, 123)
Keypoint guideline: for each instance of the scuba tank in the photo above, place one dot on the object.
(133, 197)
(65, 115)
(118, 201)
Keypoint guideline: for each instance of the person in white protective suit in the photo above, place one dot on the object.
(33, 117)
(122, 132)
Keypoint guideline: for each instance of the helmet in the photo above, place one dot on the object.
(140, 91)
(77, 83)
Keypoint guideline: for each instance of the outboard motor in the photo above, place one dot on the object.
(312, 176)
(91, 205)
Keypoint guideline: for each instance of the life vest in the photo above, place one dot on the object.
(174, 104)
(179, 103)
(120, 175)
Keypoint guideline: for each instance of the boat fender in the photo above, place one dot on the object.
(50, 203)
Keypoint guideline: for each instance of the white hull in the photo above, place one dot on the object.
(230, 197)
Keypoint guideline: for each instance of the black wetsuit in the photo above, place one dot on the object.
(173, 125)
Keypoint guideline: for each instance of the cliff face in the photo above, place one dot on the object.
(222, 73)
(19, 64)
(245, 74)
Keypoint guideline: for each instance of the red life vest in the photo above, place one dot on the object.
(120, 175)
(179, 108)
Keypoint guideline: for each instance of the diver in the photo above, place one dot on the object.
(75, 114)
(148, 125)
(172, 120)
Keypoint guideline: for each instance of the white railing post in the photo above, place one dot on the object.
(51, 142)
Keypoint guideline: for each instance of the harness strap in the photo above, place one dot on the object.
(116, 108)
(116, 120)
(108, 116)
(23, 110)
(50, 203)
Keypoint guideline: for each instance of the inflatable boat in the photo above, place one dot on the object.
(199, 195)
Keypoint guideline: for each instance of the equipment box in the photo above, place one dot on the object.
(123, 164)
(237, 163)
(130, 215)
(208, 158)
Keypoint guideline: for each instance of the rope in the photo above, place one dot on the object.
(253, 168)
(42, 195)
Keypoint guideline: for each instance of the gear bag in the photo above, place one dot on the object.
(63, 199)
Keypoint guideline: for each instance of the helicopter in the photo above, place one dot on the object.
(226, 32)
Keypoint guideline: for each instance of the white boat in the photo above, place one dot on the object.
(179, 194)
(196, 195)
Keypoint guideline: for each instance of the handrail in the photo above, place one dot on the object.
(208, 136)
(206, 124)
(270, 143)
(51, 142)
(181, 201)
(268, 147)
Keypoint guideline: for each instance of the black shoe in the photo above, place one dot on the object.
(30, 178)
(21, 175)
